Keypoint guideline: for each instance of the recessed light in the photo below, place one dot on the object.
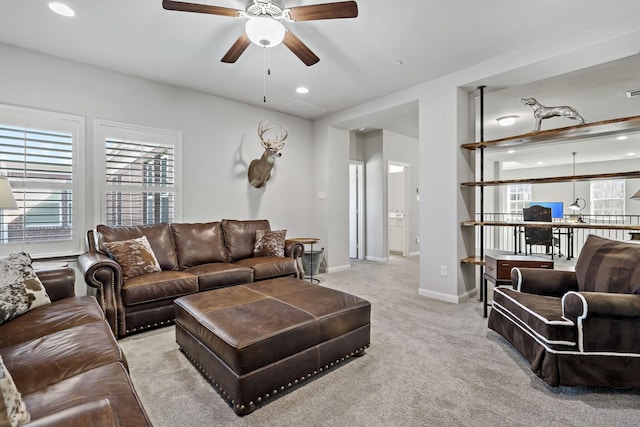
(507, 120)
(302, 90)
(630, 154)
(397, 63)
(61, 9)
(621, 138)
(511, 151)
(541, 163)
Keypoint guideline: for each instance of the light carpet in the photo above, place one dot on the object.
(430, 364)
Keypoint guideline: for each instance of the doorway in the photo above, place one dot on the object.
(397, 212)
(356, 210)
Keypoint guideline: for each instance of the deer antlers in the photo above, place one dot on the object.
(276, 143)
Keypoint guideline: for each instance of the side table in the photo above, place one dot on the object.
(498, 271)
(308, 241)
(48, 265)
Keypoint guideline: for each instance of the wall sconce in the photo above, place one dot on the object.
(507, 120)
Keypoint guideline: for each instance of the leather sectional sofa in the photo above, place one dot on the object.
(66, 363)
(192, 258)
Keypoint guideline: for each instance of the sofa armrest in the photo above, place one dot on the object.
(540, 281)
(59, 282)
(104, 280)
(98, 413)
(293, 249)
(607, 322)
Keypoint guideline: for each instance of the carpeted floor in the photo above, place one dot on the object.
(430, 364)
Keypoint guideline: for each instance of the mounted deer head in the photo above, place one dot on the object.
(260, 169)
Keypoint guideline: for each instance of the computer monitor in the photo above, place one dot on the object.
(557, 208)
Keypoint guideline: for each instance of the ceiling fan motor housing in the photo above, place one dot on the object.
(273, 8)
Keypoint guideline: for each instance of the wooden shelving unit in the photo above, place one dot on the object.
(571, 133)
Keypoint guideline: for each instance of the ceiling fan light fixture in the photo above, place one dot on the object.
(264, 31)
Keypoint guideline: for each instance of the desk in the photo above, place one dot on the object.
(518, 231)
(308, 241)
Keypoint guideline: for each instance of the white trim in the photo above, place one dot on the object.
(414, 254)
(338, 268)
(545, 320)
(585, 311)
(519, 287)
(376, 259)
(454, 299)
(569, 352)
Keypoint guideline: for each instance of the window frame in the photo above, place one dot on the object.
(593, 199)
(32, 118)
(105, 129)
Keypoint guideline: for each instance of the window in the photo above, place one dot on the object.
(518, 197)
(38, 153)
(607, 197)
(140, 175)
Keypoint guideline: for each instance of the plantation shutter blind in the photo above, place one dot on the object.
(39, 166)
(140, 182)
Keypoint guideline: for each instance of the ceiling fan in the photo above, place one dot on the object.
(264, 23)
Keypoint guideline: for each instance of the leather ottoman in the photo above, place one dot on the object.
(256, 340)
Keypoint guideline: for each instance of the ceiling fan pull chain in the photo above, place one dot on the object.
(264, 77)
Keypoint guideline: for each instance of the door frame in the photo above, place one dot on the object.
(358, 200)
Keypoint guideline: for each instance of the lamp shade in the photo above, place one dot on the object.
(576, 205)
(264, 31)
(636, 196)
(7, 200)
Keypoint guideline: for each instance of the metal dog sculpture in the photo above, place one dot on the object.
(541, 112)
(260, 169)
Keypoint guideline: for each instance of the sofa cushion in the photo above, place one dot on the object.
(134, 256)
(13, 411)
(200, 243)
(57, 316)
(52, 358)
(540, 316)
(240, 236)
(20, 288)
(268, 267)
(158, 286)
(107, 381)
(606, 265)
(220, 274)
(159, 236)
(269, 243)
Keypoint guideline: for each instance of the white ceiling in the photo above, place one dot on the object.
(430, 37)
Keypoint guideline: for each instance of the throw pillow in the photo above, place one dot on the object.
(20, 288)
(269, 243)
(13, 411)
(135, 256)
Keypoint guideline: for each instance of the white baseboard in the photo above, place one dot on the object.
(447, 297)
(414, 254)
(338, 268)
(376, 259)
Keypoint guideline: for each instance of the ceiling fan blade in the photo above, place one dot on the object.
(343, 9)
(237, 49)
(299, 49)
(199, 8)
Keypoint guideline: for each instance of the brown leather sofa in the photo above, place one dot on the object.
(193, 258)
(66, 363)
(577, 328)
